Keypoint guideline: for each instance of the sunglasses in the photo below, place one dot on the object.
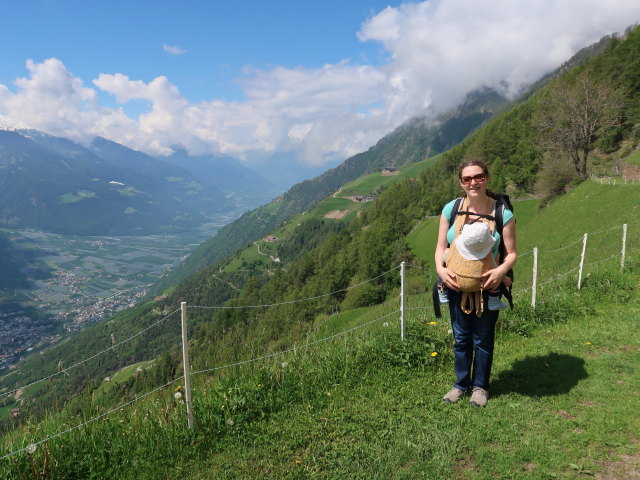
(479, 178)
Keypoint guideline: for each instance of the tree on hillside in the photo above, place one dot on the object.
(573, 113)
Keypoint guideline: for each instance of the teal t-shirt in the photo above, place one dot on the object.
(448, 210)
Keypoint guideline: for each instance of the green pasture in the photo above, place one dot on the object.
(634, 158)
(244, 258)
(333, 204)
(557, 230)
(375, 181)
(120, 376)
(76, 197)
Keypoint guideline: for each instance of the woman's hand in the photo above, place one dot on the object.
(448, 278)
(493, 278)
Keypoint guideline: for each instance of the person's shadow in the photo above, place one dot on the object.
(551, 374)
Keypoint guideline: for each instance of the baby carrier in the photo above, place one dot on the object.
(469, 270)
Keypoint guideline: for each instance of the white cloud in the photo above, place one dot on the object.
(173, 49)
(437, 52)
(441, 49)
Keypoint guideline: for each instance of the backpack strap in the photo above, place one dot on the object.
(502, 202)
(435, 295)
(438, 285)
(455, 209)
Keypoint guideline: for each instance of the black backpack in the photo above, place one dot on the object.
(502, 201)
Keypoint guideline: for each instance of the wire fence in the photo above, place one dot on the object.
(294, 349)
(82, 362)
(423, 305)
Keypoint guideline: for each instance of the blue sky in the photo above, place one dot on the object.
(319, 80)
(219, 38)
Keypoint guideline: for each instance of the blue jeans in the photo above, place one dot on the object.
(473, 344)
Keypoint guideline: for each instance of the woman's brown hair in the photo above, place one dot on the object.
(475, 162)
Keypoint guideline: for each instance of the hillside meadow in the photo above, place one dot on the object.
(306, 385)
(353, 401)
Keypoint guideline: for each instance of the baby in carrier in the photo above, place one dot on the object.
(469, 256)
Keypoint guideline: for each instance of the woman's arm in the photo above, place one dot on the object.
(447, 276)
(493, 278)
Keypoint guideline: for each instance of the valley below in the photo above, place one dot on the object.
(89, 278)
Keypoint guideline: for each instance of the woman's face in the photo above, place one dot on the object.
(474, 181)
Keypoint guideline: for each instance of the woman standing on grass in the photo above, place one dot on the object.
(474, 336)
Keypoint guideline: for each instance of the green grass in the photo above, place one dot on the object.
(244, 257)
(76, 197)
(120, 376)
(332, 204)
(362, 186)
(374, 181)
(557, 230)
(366, 405)
(422, 239)
(396, 426)
(634, 158)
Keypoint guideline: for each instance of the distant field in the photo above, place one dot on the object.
(370, 183)
(634, 158)
(334, 204)
(76, 197)
(120, 377)
(362, 186)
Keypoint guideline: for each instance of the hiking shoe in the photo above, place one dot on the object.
(479, 397)
(454, 395)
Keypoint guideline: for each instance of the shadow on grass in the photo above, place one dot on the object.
(546, 375)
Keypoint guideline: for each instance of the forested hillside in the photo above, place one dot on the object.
(413, 141)
(352, 392)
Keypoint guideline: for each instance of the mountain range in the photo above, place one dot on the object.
(414, 140)
(56, 185)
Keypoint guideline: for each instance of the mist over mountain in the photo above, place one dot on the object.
(415, 140)
(284, 170)
(222, 172)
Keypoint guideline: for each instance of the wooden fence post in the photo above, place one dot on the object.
(624, 246)
(534, 284)
(185, 362)
(402, 301)
(584, 249)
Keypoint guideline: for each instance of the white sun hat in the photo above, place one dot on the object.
(475, 241)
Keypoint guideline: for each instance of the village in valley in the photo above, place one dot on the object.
(90, 279)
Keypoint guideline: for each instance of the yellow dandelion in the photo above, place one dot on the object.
(298, 462)
(434, 354)
(433, 323)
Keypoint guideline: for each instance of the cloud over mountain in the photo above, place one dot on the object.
(436, 52)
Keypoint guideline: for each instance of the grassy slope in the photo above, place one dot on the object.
(561, 408)
(591, 207)
(362, 186)
(367, 409)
